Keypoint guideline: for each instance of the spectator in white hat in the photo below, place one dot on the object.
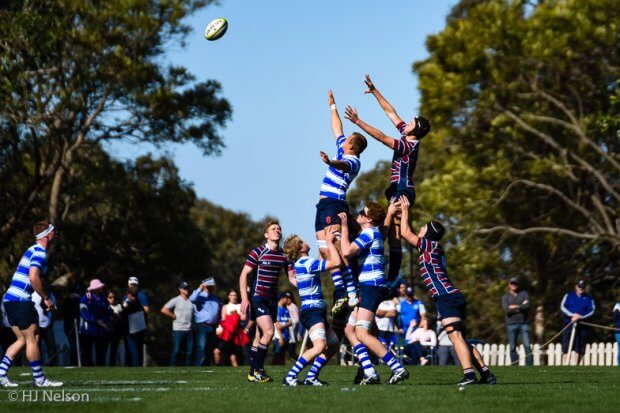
(206, 319)
(136, 305)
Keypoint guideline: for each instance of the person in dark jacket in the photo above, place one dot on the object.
(516, 305)
(94, 316)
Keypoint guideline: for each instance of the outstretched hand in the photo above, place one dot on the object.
(325, 158)
(351, 114)
(393, 208)
(330, 98)
(371, 86)
(344, 219)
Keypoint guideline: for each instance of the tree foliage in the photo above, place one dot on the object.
(523, 161)
(75, 74)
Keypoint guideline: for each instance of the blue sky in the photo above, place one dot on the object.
(275, 64)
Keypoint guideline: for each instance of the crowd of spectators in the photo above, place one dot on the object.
(204, 331)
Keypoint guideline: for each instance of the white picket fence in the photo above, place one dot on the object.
(597, 354)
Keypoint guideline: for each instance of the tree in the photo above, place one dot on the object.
(76, 74)
(525, 99)
(522, 160)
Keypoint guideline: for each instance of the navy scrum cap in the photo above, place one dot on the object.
(434, 230)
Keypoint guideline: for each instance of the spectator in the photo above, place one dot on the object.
(616, 317)
(282, 335)
(516, 305)
(576, 305)
(94, 316)
(294, 330)
(419, 342)
(136, 308)
(445, 350)
(385, 319)
(46, 330)
(233, 336)
(206, 319)
(181, 310)
(410, 311)
(402, 292)
(71, 318)
(117, 327)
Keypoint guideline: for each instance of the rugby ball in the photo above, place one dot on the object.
(216, 29)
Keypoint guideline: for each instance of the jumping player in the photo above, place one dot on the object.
(341, 172)
(404, 162)
(313, 314)
(265, 263)
(373, 287)
(450, 302)
(20, 310)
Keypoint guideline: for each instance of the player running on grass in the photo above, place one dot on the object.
(373, 287)
(450, 302)
(404, 162)
(20, 311)
(341, 172)
(313, 314)
(265, 263)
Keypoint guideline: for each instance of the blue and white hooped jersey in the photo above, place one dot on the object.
(336, 182)
(20, 288)
(372, 261)
(308, 276)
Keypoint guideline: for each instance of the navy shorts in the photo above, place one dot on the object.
(313, 316)
(21, 314)
(262, 306)
(451, 305)
(393, 193)
(372, 295)
(327, 211)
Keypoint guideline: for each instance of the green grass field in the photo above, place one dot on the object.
(213, 389)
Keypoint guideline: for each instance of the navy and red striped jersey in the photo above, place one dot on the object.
(433, 268)
(404, 160)
(267, 265)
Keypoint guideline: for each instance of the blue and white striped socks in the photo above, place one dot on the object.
(337, 279)
(37, 371)
(318, 364)
(391, 362)
(297, 367)
(5, 364)
(348, 281)
(364, 359)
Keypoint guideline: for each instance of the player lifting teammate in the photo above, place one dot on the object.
(373, 287)
(450, 302)
(313, 314)
(404, 162)
(341, 172)
(265, 263)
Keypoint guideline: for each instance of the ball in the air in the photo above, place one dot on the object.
(216, 29)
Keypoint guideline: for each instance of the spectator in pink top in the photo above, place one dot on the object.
(419, 341)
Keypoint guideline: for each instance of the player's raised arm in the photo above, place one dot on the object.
(336, 122)
(340, 165)
(385, 105)
(333, 258)
(351, 114)
(405, 227)
(348, 248)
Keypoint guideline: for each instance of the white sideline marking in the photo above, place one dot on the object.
(134, 382)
